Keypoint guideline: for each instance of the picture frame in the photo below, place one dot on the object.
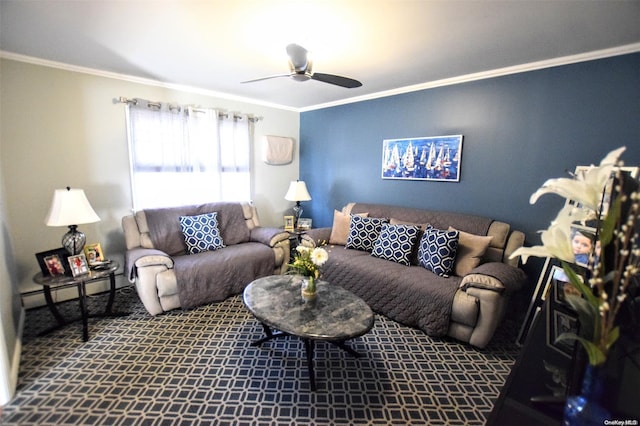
(433, 158)
(78, 264)
(289, 223)
(561, 321)
(562, 288)
(537, 299)
(561, 317)
(94, 254)
(304, 223)
(583, 242)
(52, 262)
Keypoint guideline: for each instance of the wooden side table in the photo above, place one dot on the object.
(80, 281)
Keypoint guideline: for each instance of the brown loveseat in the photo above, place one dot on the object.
(467, 305)
(167, 277)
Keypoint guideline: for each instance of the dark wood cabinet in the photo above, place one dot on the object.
(533, 393)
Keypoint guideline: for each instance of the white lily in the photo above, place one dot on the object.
(556, 240)
(586, 189)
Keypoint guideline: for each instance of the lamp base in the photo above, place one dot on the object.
(74, 240)
(297, 212)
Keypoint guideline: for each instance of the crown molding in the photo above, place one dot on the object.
(139, 80)
(532, 66)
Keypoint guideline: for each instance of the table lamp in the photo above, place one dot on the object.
(70, 207)
(297, 192)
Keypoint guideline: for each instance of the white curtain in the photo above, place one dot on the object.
(235, 182)
(182, 155)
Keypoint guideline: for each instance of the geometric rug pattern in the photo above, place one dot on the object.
(198, 367)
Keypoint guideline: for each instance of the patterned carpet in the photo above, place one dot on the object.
(198, 367)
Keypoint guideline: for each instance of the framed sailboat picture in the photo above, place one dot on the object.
(434, 158)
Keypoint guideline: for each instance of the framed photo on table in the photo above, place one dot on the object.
(289, 223)
(94, 254)
(304, 224)
(78, 264)
(52, 262)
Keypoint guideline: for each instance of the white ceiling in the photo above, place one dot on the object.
(389, 45)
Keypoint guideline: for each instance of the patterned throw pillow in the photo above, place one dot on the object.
(363, 232)
(201, 232)
(437, 251)
(396, 242)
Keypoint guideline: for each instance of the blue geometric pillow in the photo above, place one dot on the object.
(437, 251)
(363, 232)
(396, 242)
(201, 232)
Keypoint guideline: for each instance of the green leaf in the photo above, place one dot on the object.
(609, 224)
(595, 355)
(612, 337)
(588, 315)
(577, 282)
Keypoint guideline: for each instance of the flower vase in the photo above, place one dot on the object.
(585, 409)
(308, 289)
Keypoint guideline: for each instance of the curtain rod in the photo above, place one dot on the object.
(124, 100)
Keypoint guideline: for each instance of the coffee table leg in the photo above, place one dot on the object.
(342, 345)
(309, 347)
(268, 335)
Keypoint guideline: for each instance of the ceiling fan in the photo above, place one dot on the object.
(301, 69)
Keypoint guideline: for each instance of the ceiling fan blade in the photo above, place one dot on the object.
(338, 80)
(297, 56)
(266, 78)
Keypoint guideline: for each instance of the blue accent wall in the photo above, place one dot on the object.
(519, 130)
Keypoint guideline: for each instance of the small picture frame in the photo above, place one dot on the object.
(561, 321)
(52, 262)
(304, 224)
(289, 224)
(78, 264)
(93, 253)
(562, 288)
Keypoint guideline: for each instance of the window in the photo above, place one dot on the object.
(182, 155)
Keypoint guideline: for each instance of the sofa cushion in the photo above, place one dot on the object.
(363, 232)
(201, 232)
(396, 242)
(340, 229)
(471, 248)
(437, 251)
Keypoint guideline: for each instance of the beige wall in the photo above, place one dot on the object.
(62, 128)
(11, 314)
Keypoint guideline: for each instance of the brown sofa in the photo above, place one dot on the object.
(166, 277)
(467, 305)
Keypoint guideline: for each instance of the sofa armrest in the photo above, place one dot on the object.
(495, 276)
(315, 237)
(142, 257)
(268, 236)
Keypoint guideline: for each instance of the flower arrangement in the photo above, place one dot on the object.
(614, 261)
(308, 261)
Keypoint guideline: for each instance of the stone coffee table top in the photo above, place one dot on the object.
(335, 314)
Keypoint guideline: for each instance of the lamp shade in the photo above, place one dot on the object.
(297, 192)
(70, 207)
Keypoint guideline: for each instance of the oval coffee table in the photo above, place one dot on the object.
(336, 315)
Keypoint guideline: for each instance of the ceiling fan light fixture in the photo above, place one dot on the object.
(301, 69)
(301, 76)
